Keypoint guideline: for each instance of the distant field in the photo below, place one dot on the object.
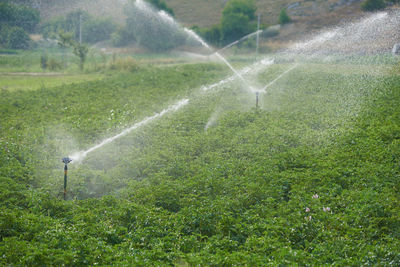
(35, 81)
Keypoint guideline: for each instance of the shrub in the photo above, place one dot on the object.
(152, 33)
(93, 30)
(237, 19)
(97, 30)
(211, 34)
(161, 5)
(17, 38)
(124, 64)
(122, 37)
(270, 33)
(53, 64)
(43, 61)
(284, 17)
(19, 16)
(372, 5)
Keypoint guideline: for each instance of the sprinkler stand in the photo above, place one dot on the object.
(257, 95)
(65, 161)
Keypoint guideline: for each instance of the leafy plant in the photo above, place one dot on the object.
(284, 17)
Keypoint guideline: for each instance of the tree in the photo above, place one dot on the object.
(211, 34)
(372, 5)
(74, 21)
(65, 39)
(245, 7)
(236, 19)
(19, 16)
(17, 38)
(162, 6)
(284, 17)
(96, 30)
(93, 30)
(15, 22)
(151, 32)
(80, 50)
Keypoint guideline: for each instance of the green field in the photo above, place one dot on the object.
(311, 177)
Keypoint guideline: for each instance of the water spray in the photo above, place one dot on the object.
(257, 33)
(65, 161)
(279, 77)
(79, 156)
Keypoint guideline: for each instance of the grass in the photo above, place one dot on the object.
(27, 82)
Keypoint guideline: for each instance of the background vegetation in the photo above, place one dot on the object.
(15, 24)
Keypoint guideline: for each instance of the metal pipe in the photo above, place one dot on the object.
(65, 181)
(257, 96)
(65, 161)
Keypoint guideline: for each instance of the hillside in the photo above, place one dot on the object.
(208, 12)
(306, 15)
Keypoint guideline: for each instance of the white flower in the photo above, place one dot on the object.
(327, 209)
(315, 196)
(308, 218)
(307, 209)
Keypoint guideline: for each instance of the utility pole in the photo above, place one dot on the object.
(258, 34)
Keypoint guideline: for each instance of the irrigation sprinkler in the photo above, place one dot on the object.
(257, 96)
(65, 161)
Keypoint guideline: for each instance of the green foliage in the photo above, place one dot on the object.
(74, 20)
(53, 64)
(237, 19)
(372, 5)
(122, 37)
(254, 189)
(65, 39)
(15, 22)
(43, 61)
(160, 4)
(18, 16)
(211, 35)
(267, 33)
(246, 8)
(124, 64)
(51, 28)
(151, 32)
(284, 17)
(15, 38)
(96, 30)
(93, 30)
(147, 31)
(80, 50)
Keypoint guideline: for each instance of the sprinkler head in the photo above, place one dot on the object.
(66, 160)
